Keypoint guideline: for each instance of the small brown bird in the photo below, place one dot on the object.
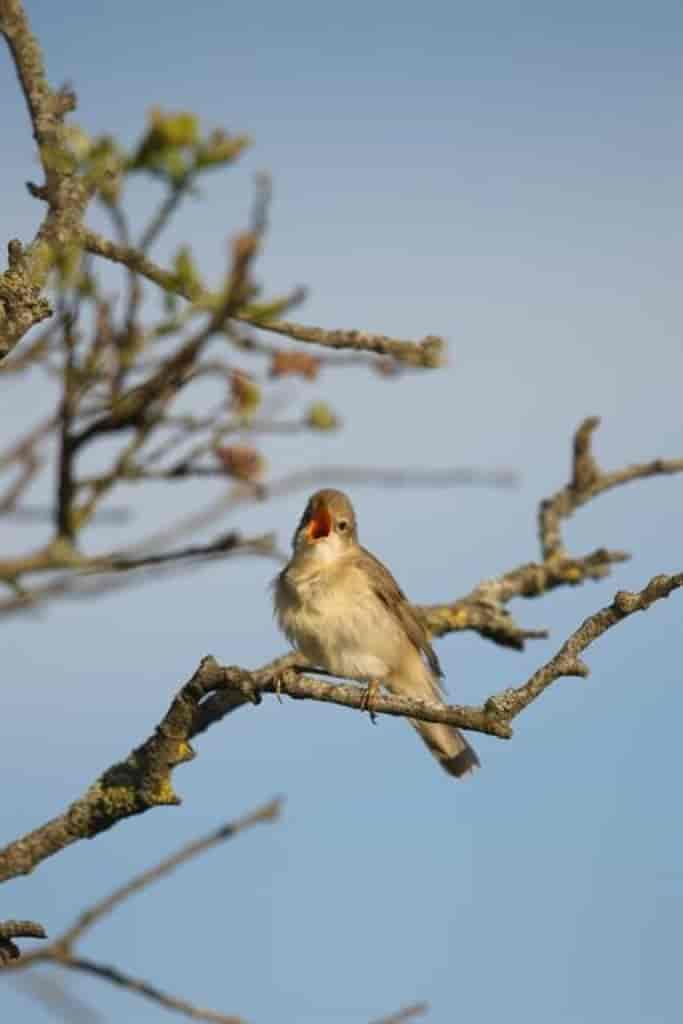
(346, 613)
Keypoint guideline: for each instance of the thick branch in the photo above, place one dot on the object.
(144, 780)
(21, 305)
(289, 681)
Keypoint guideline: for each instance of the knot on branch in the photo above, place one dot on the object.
(501, 706)
(626, 602)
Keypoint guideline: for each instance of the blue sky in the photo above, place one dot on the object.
(509, 176)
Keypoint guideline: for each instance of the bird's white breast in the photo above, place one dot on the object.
(336, 620)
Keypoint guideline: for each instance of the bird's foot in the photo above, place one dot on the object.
(369, 694)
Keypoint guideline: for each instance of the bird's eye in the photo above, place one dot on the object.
(343, 525)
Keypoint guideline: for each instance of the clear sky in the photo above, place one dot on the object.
(508, 175)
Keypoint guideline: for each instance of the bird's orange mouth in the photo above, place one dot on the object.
(320, 525)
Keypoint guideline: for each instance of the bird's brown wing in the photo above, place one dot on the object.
(390, 594)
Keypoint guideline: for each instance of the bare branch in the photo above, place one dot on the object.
(61, 951)
(136, 261)
(89, 576)
(475, 613)
(289, 681)
(228, 543)
(493, 717)
(20, 448)
(588, 481)
(428, 353)
(267, 813)
(508, 704)
(21, 305)
(361, 475)
(148, 553)
(143, 780)
(177, 193)
(483, 608)
(116, 516)
(407, 1013)
(143, 988)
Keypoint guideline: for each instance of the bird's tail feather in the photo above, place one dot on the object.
(446, 743)
(449, 747)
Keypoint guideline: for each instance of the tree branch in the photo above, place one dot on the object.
(588, 481)
(427, 353)
(60, 952)
(66, 194)
(143, 780)
(10, 930)
(91, 575)
(80, 568)
(132, 984)
(508, 704)
(483, 609)
(407, 1013)
(267, 813)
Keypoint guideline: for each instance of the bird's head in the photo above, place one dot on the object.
(328, 525)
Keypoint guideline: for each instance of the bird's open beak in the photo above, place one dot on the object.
(320, 524)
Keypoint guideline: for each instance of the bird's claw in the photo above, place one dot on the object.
(367, 697)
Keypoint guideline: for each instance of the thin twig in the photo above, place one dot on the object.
(60, 951)
(92, 576)
(267, 813)
(131, 983)
(428, 353)
(588, 481)
(407, 1013)
(483, 609)
(170, 204)
(508, 704)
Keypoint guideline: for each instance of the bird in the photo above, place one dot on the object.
(343, 610)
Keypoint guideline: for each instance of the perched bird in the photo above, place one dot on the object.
(346, 613)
